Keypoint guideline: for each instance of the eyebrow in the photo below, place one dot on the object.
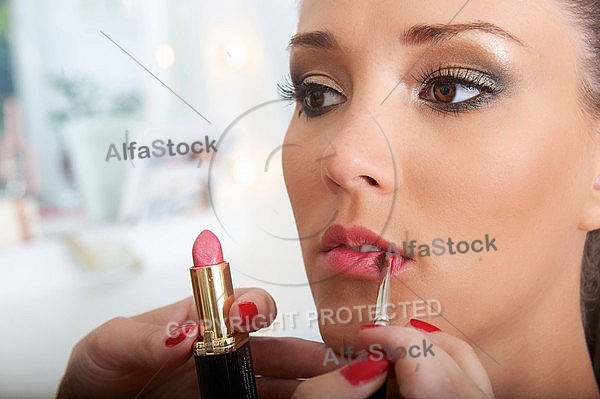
(321, 39)
(416, 35)
(427, 33)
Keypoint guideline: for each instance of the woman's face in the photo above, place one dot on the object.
(409, 128)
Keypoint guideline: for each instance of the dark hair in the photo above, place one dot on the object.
(590, 297)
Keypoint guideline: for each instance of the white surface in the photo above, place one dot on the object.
(48, 301)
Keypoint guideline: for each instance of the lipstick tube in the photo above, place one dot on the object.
(223, 358)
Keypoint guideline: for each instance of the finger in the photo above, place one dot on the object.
(180, 312)
(292, 357)
(465, 357)
(275, 388)
(252, 310)
(358, 380)
(424, 368)
(127, 344)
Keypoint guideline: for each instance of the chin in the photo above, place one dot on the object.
(340, 336)
(342, 306)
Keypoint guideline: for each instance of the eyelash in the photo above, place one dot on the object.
(484, 82)
(294, 90)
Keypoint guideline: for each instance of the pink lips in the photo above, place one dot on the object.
(340, 251)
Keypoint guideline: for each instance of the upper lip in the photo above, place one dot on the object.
(353, 237)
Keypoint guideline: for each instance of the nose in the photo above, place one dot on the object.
(359, 157)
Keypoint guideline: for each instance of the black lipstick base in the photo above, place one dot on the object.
(228, 375)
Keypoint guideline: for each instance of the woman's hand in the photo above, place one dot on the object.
(281, 364)
(150, 355)
(451, 368)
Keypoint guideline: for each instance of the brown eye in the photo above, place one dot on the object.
(444, 92)
(318, 99)
(315, 99)
(457, 89)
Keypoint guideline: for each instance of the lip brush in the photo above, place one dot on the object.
(389, 390)
(382, 317)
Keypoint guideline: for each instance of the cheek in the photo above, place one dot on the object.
(514, 167)
(518, 171)
(301, 157)
(522, 182)
(300, 176)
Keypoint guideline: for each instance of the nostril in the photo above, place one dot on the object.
(369, 180)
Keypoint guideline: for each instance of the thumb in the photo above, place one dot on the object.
(358, 380)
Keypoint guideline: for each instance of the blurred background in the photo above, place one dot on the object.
(86, 235)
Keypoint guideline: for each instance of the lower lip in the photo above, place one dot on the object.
(364, 265)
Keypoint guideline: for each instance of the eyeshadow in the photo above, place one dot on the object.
(461, 53)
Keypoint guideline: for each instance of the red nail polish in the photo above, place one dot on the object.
(367, 326)
(359, 372)
(188, 329)
(248, 311)
(423, 325)
(176, 337)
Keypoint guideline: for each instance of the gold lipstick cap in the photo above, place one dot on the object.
(214, 295)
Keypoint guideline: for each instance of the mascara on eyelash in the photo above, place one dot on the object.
(489, 84)
(286, 89)
(467, 76)
(296, 90)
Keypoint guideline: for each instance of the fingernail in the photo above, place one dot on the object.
(248, 311)
(178, 335)
(361, 371)
(367, 326)
(423, 325)
(188, 329)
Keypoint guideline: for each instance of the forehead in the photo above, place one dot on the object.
(358, 23)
